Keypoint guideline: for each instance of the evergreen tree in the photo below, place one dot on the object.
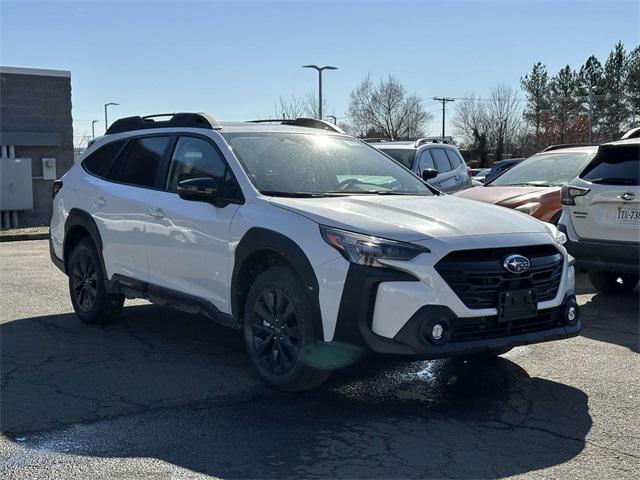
(536, 87)
(615, 108)
(591, 88)
(565, 105)
(633, 85)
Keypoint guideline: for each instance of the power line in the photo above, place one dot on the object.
(444, 101)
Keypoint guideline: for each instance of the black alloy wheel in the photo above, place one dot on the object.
(84, 280)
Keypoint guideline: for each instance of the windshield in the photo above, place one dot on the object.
(402, 155)
(545, 170)
(300, 164)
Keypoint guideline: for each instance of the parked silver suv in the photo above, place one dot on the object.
(429, 154)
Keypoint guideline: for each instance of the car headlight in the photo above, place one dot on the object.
(529, 208)
(367, 250)
(557, 235)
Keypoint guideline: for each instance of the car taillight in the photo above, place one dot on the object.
(569, 194)
(469, 171)
(57, 186)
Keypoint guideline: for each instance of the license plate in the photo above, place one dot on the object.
(516, 305)
(628, 216)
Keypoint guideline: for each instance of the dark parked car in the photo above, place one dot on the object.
(500, 167)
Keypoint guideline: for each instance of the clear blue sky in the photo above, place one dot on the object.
(235, 59)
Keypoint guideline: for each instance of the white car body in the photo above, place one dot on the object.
(157, 239)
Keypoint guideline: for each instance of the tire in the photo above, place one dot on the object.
(91, 301)
(556, 218)
(280, 333)
(611, 282)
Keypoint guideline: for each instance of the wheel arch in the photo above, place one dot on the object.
(80, 224)
(261, 248)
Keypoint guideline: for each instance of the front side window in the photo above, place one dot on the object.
(545, 170)
(425, 162)
(308, 164)
(140, 165)
(441, 160)
(98, 162)
(194, 158)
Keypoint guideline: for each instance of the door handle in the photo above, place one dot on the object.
(99, 201)
(156, 212)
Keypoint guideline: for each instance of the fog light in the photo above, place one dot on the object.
(437, 331)
(572, 313)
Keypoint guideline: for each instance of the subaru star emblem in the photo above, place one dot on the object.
(628, 196)
(516, 264)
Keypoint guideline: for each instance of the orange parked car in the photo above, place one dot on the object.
(533, 186)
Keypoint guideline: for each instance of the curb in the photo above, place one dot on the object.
(23, 236)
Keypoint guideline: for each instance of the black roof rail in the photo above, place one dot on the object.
(551, 148)
(191, 120)
(302, 122)
(377, 139)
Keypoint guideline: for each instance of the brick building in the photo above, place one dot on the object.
(36, 141)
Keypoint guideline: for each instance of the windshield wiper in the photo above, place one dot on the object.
(375, 192)
(615, 180)
(275, 193)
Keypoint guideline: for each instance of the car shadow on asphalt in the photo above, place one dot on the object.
(173, 386)
(610, 318)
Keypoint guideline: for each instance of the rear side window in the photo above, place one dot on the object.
(98, 162)
(441, 160)
(615, 166)
(454, 158)
(139, 165)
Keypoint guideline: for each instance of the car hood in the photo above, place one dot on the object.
(507, 196)
(411, 218)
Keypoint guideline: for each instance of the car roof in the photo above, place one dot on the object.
(626, 141)
(245, 127)
(409, 145)
(585, 149)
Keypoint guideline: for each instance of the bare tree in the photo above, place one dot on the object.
(387, 109)
(505, 117)
(472, 123)
(296, 107)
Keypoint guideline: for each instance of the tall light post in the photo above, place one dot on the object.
(93, 128)
(106, 123)
(320, 69)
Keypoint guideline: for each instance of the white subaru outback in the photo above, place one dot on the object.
(317, 245)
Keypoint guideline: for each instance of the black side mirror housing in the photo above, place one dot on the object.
(201, 189)
(429, 173)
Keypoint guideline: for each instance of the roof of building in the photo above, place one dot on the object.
(43, 72)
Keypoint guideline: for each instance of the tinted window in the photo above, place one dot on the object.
(425, 161)
(193, 158)
(545, 170)
(304, 164)
(98, 162)
(454, 158)
(140, 165)
(441, 160)
(615, 166)
(402, 155)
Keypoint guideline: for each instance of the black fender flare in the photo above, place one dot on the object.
(80, 218)
(260, 239)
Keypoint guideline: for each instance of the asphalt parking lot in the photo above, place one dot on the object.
(163, 394)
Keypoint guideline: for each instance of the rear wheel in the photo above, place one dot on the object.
(91, 301)
(611, 282)
(279, 331)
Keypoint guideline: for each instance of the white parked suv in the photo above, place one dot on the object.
(601, 217)
(442, 163)
(314, 243)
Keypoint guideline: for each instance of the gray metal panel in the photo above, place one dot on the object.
(16, 191)
(30, 139)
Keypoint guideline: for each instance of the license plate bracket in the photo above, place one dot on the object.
(516, 305)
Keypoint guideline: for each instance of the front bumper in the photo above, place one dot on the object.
(465, 336)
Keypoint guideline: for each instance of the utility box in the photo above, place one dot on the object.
(15, 184)
(49, 168)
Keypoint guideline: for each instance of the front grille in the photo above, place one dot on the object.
(481, 328)
(478, 276)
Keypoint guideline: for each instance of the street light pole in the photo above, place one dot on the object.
(320, 69)
(93, 128)
(106, 122)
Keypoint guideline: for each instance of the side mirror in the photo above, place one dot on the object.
(429, 173)
(203, 189)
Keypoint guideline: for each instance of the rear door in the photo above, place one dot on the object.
(458, 166)
(120, 202)
(188, 241)
(611, 208)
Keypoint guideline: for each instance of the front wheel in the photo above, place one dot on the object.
(611, 282)
(91, 301)
(280, 333)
